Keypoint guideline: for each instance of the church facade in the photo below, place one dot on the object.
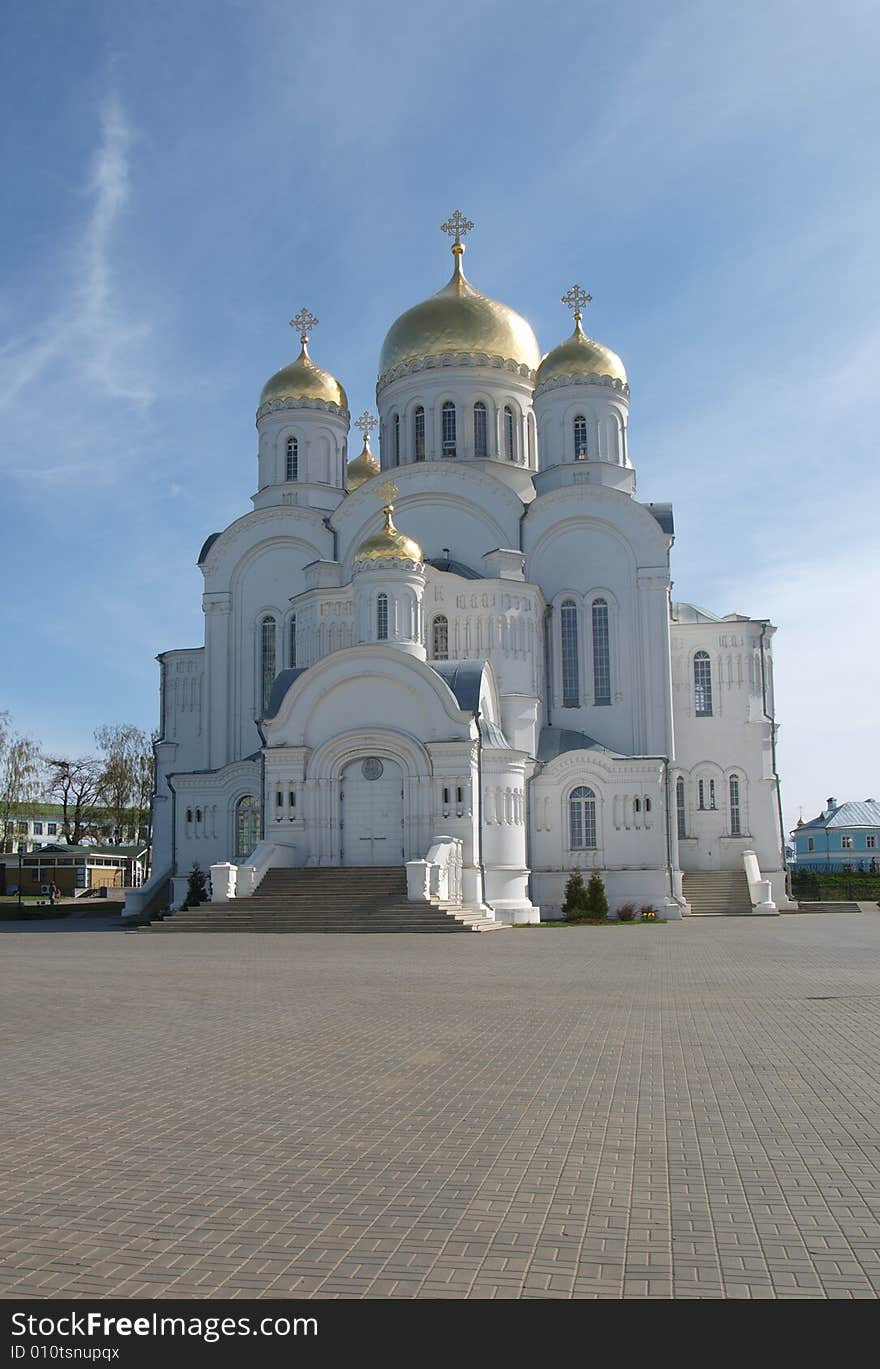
(466, 645)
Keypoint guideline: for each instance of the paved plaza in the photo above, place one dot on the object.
(687, 1110)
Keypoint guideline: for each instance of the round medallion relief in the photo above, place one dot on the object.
(372, 768)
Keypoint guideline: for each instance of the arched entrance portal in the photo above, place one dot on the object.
(371, 812)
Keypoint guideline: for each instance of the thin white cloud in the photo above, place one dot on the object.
(92, 348)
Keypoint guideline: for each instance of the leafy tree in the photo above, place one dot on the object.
(78, 785)
(127, 780)
(575, 902)
(597, 902)
(20, 770)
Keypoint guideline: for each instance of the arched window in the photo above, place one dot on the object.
(580, 438)
(582, 819)
(267, 660)
(712, 794)
(382, 617)
(571, 689)
(702, 685)
(735, 819)
(481, 436)
(637, 805)
(509, 434)
(680, 810)
(701, 793)
(291, 643)
(448, 418)
(440, 638)
(396, 425)
(601, 654)
(292, 459)
(247, 826)
(419, 434)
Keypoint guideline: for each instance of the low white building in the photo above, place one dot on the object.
(482, 652)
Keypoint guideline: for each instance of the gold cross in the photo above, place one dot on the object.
(574, 298)
(366, 423)
(457, 226)
(388, 491)
(305, 322)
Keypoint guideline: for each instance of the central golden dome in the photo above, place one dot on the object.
(389, 543)
(303, 380)
(459, 319)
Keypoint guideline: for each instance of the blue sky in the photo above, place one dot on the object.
(179, 178)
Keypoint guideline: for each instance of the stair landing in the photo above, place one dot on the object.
(371, 899)
(717, 893)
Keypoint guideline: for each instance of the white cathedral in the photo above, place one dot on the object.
(462, 659)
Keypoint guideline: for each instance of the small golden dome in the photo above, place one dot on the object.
(459, 319)
(389, 544)
(303, 380)
(362, 468)
(580, 355)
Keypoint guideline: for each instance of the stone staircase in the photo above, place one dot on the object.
(327, 900)
(717, 893)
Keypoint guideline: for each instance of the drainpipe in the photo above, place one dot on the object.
(667, 784)
(259, 727)
(548, 660)
(169, 780)
(772, 721)
(480, 864)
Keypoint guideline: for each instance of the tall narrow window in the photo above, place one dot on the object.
(396, 426)
(680, 810)
(292, 459)
(580, 438)
(711, 793)
(701, 792)
(582, 819)
(419, 434)
(448, 417)
(735, 819)
(291, 643)
(702, 685)
(247, 826)
(382, 618)
(267, 660)
(601, 654)
(481, 442)
(509, 434)
(571, 690)
(440, 638)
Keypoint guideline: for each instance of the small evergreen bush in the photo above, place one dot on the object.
(596, 902)
(575, 901)
(196, 888)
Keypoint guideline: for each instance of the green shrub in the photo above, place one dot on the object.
(597, 902)
(626, 912)
(196, 888)
(575, 901)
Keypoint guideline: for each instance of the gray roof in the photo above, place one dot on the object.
(556, 740)
(692, 613)
(283, 681)
(853, 814)
(206, 547)
(464, 679)
(663, 515)
(453, 567)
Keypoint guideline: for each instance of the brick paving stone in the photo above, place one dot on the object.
(587, 1114)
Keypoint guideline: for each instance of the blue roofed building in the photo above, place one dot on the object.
(845, 837)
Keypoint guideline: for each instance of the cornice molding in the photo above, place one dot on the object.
(445, 359)
(562, 382)
(324, 405)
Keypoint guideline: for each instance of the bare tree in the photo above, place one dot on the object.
(78, 785)
(20, 765)
(128, 775)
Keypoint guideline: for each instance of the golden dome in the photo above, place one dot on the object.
(459, 319)
(578, 356)
(362, 468)
(389, 543)
(303, 380)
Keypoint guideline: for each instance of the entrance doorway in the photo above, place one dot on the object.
(371, 816)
